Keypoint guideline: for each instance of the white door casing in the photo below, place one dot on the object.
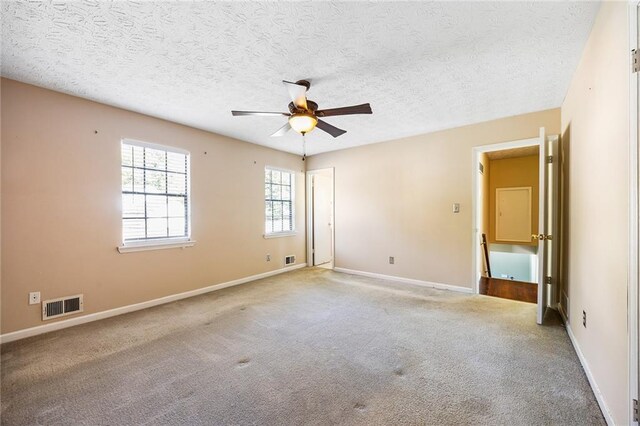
(476, 201)
(322, 219)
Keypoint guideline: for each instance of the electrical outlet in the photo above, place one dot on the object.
(34, 297)
(268, 258)
(392, 260)
(584, 319)
(456, 207)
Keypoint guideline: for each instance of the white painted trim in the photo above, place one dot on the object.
(309, 192)
(633, 291)
(475, 226)
(294, 213)
(143, 144)
(279, 235)
(41, 329)
(420, 283)
(309, 216)
(155, 245)
(151, 243)
(592, 381)
(280, 169)
(523, 143)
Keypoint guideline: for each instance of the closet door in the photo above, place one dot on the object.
(513, 214)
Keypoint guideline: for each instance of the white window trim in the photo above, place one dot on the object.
(293, 232)
(280, 234)
(155, 146)
(160, 243)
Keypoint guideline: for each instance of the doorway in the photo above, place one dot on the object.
(509, 208)
(515, 219)
(320, 217)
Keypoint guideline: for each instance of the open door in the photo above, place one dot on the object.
(634, 309)
(547, 223)
(322, 196)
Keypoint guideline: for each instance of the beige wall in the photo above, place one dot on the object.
(514, 172)
(595, 125)
(395, 199)
(61, 205)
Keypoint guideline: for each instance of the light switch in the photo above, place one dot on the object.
(456, 207)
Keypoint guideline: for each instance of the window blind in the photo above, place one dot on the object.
(279, 196)
(155, 192)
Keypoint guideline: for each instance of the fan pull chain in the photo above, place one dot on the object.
(304, 147)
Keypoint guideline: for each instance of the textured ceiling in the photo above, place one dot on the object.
(422, 66)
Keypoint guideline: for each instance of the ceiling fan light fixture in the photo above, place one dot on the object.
(303, 122)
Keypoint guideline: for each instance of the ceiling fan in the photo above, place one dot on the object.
(304, 115)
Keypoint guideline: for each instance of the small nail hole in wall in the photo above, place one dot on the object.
(95, 131)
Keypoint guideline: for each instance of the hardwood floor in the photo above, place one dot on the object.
(508, 289)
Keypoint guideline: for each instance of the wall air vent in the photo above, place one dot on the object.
(289, 260)
(62, 306)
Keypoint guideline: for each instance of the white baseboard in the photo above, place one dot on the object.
(420, 283)
(46, 328)
(592, 381)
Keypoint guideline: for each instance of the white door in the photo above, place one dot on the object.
(547, 223)
(322, 219)
(636, 355)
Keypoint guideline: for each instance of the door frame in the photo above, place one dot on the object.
(475, 202)
(309, 192)
(634, 210)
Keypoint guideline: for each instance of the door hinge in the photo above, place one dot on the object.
(550, 159)
(635, 60)
(547, 280)
(635, 411)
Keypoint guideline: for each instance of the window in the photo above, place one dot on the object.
(278, 197)
(155, 193)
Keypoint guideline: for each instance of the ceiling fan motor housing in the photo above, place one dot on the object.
(311, 107)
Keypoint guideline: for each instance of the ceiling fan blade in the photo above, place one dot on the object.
(332, 130)
(355, 109)
(263, 113)
(282, 130)
(298, 94)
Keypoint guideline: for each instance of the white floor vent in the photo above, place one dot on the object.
(62, 306)
(289, 260)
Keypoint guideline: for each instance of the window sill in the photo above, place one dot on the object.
(279, 235)
(155, 245)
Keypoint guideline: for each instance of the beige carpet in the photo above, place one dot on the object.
(308, 347)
